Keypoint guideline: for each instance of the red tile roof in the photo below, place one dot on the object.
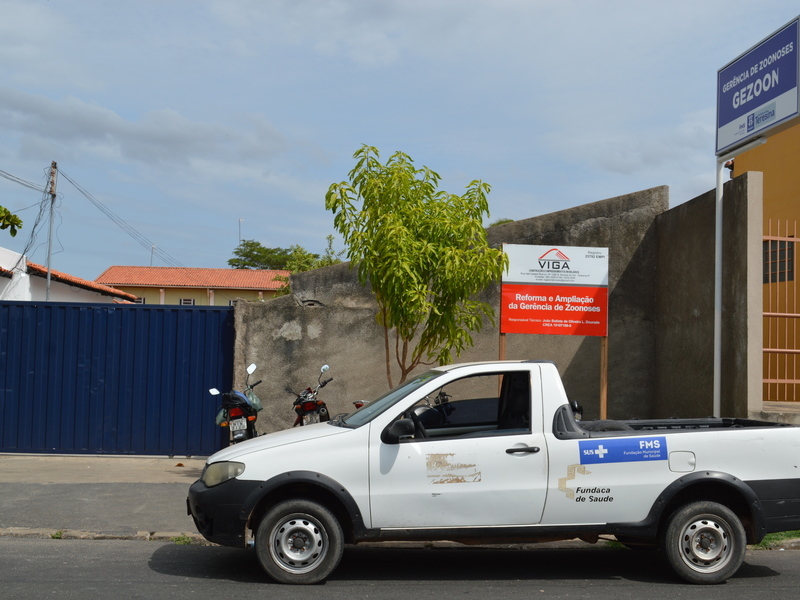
(41, 271)
(183, 277)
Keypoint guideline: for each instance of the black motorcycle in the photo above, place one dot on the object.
(239, 410)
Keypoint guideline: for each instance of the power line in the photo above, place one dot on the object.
(16, 179)
(130, 230)
(46, 201)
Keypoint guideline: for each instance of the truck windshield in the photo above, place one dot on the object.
(371, 410)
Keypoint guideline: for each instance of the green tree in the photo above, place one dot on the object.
(10, 221)
(250, 254)
(423, 251)
(301, 260)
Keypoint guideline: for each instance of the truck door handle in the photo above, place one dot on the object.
(525, 450)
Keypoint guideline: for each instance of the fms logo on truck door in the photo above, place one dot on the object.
(623, 450)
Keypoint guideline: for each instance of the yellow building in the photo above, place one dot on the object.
(779, 161)
(193, 286)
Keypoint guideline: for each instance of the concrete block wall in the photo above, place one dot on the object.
(660, 314)
(685, 303)
(330, 318)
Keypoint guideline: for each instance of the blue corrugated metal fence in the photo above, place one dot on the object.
(116, 379)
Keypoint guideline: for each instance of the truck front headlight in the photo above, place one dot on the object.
(220, 472)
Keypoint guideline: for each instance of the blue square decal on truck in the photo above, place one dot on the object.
(623, 450)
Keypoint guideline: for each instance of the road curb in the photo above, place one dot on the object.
(75, 534)
(195, 539)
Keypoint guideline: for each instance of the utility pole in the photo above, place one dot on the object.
(51, 189)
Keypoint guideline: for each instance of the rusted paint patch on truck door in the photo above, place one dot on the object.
(443, 468)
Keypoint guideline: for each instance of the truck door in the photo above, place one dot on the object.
(477, 457)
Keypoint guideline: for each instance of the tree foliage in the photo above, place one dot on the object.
(423, 251)
(301, 260)
(10, 221)
(250, 254)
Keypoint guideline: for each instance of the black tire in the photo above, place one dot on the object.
(704, 542)
(299, 542)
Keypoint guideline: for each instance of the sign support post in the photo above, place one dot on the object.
(604, 377)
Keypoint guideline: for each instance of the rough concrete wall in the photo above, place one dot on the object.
(290, 341)
(330, 318)
(742, 297)
(624, 225)
(685, 303)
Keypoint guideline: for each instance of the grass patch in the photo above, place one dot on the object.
(774, 539)
(182, 540)
(57, 535)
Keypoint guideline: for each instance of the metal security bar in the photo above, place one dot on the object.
(781, 313)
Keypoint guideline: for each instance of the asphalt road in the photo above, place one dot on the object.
(88, 569)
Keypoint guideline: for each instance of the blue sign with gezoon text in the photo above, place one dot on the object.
(758, 91)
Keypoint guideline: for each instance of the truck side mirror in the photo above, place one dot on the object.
(399, 429)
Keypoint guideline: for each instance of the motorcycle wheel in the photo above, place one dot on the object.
(299, 542)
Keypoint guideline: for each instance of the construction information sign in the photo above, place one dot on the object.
(561, 290)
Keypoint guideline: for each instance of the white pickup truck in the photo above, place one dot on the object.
(492, 452)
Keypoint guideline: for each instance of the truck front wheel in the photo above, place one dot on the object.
(299, 541)
(704, 542)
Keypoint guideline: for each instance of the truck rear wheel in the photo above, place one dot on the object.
(299, 542)
(704, 542)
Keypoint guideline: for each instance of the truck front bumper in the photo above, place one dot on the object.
(217, 511)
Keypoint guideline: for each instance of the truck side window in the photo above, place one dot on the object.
(495, 404)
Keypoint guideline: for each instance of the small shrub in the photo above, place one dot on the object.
(182, 540)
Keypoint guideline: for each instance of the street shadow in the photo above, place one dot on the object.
(208, 562)
(500, 564)
(376, 563)
(751, 571)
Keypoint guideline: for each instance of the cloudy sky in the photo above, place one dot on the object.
(194, 121)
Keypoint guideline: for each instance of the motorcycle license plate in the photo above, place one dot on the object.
(238, 424)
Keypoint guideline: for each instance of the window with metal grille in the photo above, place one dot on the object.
(778, 261)
(187, 301)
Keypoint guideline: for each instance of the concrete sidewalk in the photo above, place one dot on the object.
(105, 497)
(115, 497)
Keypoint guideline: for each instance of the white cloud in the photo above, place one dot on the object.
(160, 138)
(192, 114)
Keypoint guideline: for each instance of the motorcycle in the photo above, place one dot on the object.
(308, 408)
(239, 410)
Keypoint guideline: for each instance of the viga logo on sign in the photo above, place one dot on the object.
(554, 259)
(623, 450)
